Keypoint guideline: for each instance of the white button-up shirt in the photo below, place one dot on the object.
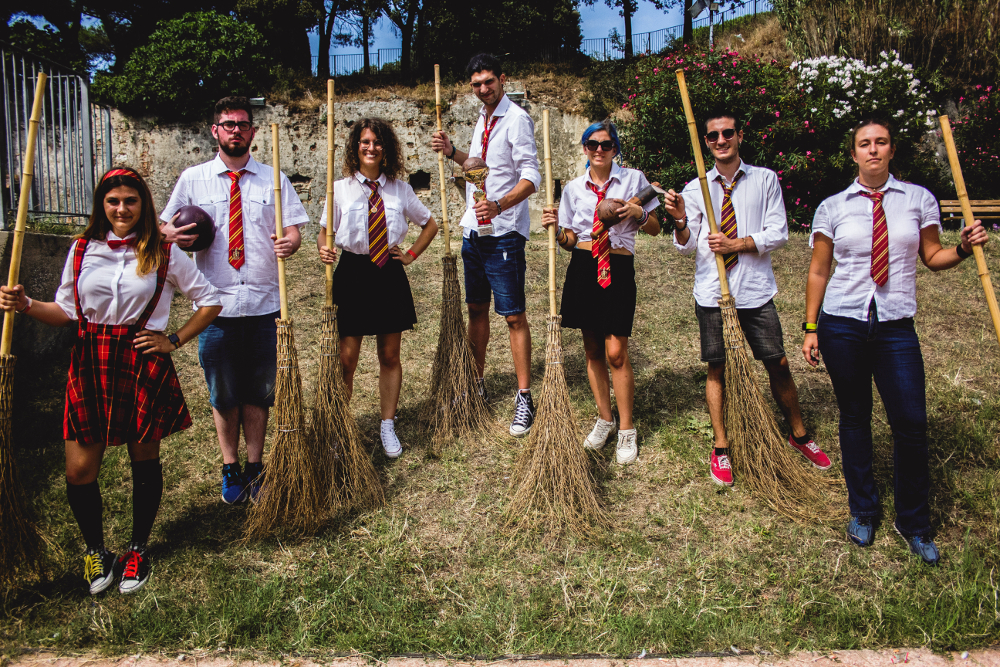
(111, 292)
(511, 157)
(846, 219)
(576, 210)
(350, 211)
(253, 288)
(760, 214)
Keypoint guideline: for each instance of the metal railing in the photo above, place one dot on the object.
(74, 138)
(342, 64)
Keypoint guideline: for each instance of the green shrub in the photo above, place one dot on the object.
(977, 138)
(188, 64)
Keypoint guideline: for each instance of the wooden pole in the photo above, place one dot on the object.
(550, 201)
(444, 194)
(699, 162)
(963, 198)
(27, 175)
(279, 229)
(331, 157)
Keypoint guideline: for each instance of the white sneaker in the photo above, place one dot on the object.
(599, 435)
(627, 450)
(393, 447)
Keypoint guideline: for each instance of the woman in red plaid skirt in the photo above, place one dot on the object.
(116, 288)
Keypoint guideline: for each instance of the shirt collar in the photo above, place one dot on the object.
(714, 173)
(616, 174)
(891, 184)
(113, 237)
(219, 167)
(362, 178)
(502, 106)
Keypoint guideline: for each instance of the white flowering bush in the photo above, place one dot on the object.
(841, 91)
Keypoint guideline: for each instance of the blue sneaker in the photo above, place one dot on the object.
(861, 530)
(233, 487)
(253, 478)
(923, 546)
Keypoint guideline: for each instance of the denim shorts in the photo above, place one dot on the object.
(239, 357)
(495, 264)
(761, 328)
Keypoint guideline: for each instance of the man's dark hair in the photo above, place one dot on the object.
(482, 62)
(722, 112)
(236, 103)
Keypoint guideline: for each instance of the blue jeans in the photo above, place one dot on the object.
(854, 352)
(495, 264)
(239, 356)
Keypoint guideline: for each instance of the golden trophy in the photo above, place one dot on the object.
(476, 171)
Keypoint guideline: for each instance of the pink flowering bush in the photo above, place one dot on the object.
(977, 137)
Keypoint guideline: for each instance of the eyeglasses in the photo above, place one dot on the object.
(231, 125)
(727, 134)
(606, 146)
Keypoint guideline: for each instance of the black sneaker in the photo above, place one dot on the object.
(98, 569)
(253, 479)
(135, 568)
(524, 415)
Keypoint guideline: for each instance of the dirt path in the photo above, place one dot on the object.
(883, 658)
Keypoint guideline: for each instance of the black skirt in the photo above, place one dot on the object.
(372, 300)
(587, 305)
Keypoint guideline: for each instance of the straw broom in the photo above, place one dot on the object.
(355, 484)
(552, 482)
(757, 447)
(963, 198)
(296, 492)
(454, 407)
(19, 540)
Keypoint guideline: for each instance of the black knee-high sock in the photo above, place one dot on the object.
(147, 489)
(85, 501)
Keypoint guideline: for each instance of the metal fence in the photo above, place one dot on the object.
(610, 48)
(74, 138)
(349, 63)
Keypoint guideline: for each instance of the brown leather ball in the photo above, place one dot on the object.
(607, 211)
(473, 163)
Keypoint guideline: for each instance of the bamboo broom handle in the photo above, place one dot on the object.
(22, 209)
(550, 201)
(331, 157)
(699, 162)
(444, 195)
(963, 198)
(279, 228)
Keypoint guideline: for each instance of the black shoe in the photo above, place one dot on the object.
(481, 388)
(524, 415)
(98, 569)
(135, 567)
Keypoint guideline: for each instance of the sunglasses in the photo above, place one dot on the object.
(231, 125)
(606, 146)
(727, 134)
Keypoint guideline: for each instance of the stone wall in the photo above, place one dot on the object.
(162, 152)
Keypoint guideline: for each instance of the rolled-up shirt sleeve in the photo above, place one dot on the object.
(523, 152)
(695, 216)
(930, 212)
(821, 224)
(414, 209)
(179, 197)
(774, 232)
(189, 281)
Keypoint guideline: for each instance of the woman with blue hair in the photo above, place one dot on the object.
(599, 292)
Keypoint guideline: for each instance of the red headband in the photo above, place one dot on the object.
(121, 172)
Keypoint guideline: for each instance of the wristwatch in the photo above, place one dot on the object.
(175, 339)
(809, 327)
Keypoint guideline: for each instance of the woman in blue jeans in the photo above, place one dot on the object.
(876, 229)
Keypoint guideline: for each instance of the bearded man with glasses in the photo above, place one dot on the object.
(238, 351)
(750, 211)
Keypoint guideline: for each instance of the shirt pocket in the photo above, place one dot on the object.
(217, 206)
(395, 219)
(352, 233)
(259, 209)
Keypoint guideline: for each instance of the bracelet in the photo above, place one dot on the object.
(411, 253)
(684, 220)
(454, 149)
(961, 252)
(644, 219)
(26, 308)
(499, 208)
(809, 327)
(561, 236)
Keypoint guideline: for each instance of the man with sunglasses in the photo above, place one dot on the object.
(238, 350)
(495, 230)
(750, 212)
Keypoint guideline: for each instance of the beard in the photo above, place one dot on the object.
(234, 151)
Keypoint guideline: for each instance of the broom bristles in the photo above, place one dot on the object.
(454, 407)
(21, 545)
(761, 457)
(355, 484)
(553, 485)
(295, 494)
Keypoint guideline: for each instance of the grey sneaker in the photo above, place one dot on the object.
(627, 450)
(599, 435)
(923, 546)
(524, 415)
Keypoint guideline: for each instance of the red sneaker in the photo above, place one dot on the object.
(722, 470)
(811, 451)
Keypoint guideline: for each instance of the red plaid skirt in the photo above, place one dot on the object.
(116, 394)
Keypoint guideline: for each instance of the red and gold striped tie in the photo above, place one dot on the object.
(880, 239)
(378, 242)
(237, 254)
(486, 146)
(728, 224)
(600, 246)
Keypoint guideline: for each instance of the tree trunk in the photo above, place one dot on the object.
(366, 37)
(688, 23)
(628, 9)
(325, 25)
(407, 33)
(418, 43)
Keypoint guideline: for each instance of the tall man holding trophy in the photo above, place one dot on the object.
(502, 173)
